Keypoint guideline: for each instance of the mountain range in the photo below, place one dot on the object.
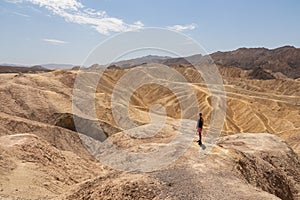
(262, 63)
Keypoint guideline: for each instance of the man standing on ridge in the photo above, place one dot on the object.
(199, 128)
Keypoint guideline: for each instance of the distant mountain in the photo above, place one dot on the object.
(260, 63)
(183, 60)
(14, 65)
(58, 66)
(285, 60)
(48, 66)
(16, 69)
(140, 61)
(132, 62)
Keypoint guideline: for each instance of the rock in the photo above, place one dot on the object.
(267, 162)
(261, 74)
(96, 129)
(283, 59)
(243, 166)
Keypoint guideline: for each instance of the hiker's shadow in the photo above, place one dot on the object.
(203, 146)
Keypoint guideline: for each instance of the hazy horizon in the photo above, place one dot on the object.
(70, 65)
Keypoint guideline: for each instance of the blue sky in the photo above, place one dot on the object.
(65, 31)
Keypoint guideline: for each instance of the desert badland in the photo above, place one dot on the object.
(256, 156)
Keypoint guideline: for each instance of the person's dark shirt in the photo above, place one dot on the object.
(200, 123)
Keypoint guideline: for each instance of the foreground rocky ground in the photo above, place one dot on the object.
(242, 166)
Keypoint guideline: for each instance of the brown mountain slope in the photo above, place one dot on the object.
(284, 59)
(266, 63)
(15, 69)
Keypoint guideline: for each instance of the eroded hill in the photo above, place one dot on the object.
(39, 146)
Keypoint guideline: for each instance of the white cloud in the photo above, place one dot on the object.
(182, 27)
(21, 14)
(54, 41)
(75, 12)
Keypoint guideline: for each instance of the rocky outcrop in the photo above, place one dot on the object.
(261, 74)
(16, 69)
(31, 168)
(242, 166)
(96, 129)
(284, 59)
(117, 186)
(267, 162)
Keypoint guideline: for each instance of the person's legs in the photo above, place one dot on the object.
(200, 138)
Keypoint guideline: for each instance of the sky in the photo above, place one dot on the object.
(66, 31)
